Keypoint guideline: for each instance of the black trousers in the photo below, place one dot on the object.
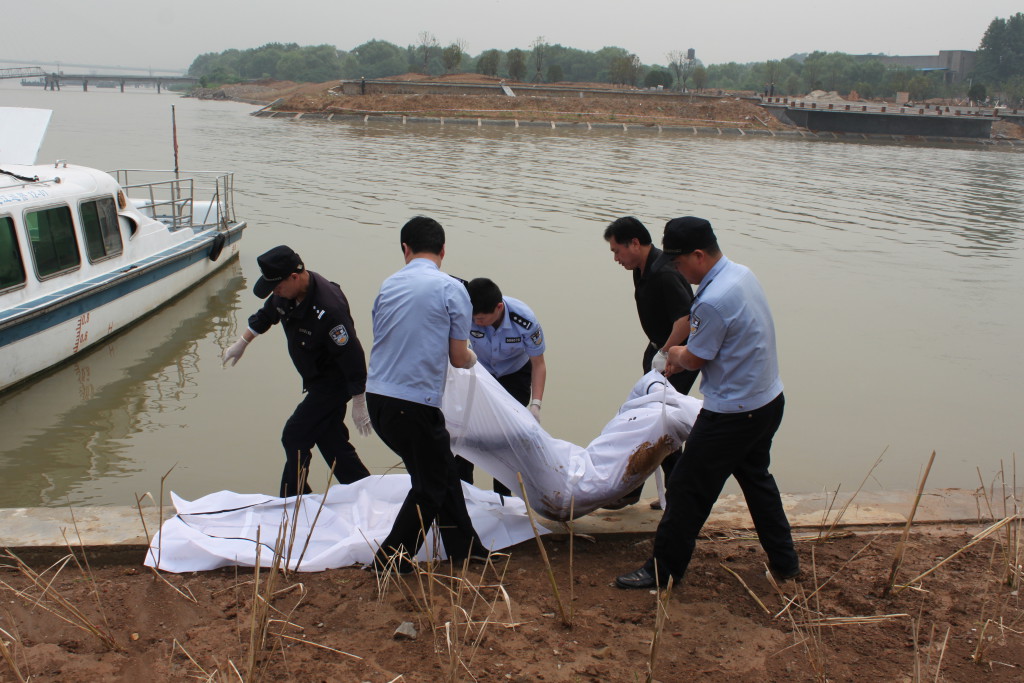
(417, 433)
(721, 445)
(318, 420)
(519, 385)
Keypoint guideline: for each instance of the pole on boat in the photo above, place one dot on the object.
(174, 136)
(176, 192)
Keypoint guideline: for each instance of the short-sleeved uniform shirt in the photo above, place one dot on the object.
(321, 337)
(507, 348)
(731, 328)
(662, 296)
(417, 311)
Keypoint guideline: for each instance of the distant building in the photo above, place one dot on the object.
(955, 65)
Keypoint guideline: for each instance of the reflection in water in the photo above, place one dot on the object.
(893, 272)
(70, 427)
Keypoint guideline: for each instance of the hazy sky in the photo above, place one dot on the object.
(171, 34)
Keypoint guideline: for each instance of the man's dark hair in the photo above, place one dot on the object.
(484, 294)
(423, 235)
(624, 229)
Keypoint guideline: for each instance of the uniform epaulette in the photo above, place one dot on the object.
(520, 320)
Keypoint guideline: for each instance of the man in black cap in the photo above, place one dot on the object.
(322, 343)
(662, 301)
(732, 343)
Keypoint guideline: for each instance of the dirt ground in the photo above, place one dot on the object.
(725, 623)
(729, 111)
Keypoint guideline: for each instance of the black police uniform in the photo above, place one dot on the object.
(323, 346)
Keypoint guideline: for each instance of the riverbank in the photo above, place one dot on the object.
(727, 111)
(738, 112)
(727, 622)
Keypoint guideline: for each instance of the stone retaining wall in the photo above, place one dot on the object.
(638, 128)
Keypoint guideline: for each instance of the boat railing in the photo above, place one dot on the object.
(179, 199)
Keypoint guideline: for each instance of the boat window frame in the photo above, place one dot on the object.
(31, 248)
(17, 250)
(117, 227)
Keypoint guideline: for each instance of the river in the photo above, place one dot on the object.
(894, 272)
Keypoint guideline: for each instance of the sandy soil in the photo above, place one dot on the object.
(727, 111)
(962, 621)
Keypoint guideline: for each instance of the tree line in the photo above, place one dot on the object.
(999, 70)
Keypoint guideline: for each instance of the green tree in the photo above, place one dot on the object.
(625, 69)
(540, 52)
(426, 47)
(921, 87)
(516, 60)
(555, 74)
(976, 93)
(488, 62)
(656, 77)
(1001, 52)
(451, 57)
(375, 59)
(699, 77)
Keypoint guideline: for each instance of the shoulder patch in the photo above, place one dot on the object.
(537, 338)
(520, 320)
(339, 335)
(477, 333)
(694, 323)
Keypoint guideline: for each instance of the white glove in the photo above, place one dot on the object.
(235, 351)
(659, 361)
(472, 360)
(535, 409)
(360, 416)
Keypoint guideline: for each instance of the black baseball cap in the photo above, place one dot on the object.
(687, 234)
(276, 265)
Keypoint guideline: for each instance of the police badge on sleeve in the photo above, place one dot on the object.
(340, 335)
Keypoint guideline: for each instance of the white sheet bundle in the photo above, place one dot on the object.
(493, 431)
(490, 429)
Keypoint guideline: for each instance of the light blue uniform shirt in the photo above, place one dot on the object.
(417, 311)
(731, 328)
(505, 349)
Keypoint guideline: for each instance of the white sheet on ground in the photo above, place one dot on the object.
(220, 529)
(492, 430)
(489, 428)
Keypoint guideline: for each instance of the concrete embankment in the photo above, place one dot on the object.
(637, 128)
(115, 534)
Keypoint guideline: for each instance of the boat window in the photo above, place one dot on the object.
(99, 223)
(53, 240)
(12, 270)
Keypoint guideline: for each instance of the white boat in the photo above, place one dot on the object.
(85, 253)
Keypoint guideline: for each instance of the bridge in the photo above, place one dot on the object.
(54, 80)
(23, 72)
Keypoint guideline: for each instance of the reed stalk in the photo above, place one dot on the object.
(660, 619)
(51, 600)
(566, 621)
(902, 545)
(831, 529)
(8, 656)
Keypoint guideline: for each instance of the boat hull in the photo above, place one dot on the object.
(82, 316)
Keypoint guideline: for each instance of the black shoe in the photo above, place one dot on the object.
(788, 575)
(656, 504)
(641, 578)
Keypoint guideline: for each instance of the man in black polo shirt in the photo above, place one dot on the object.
(663, 300)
